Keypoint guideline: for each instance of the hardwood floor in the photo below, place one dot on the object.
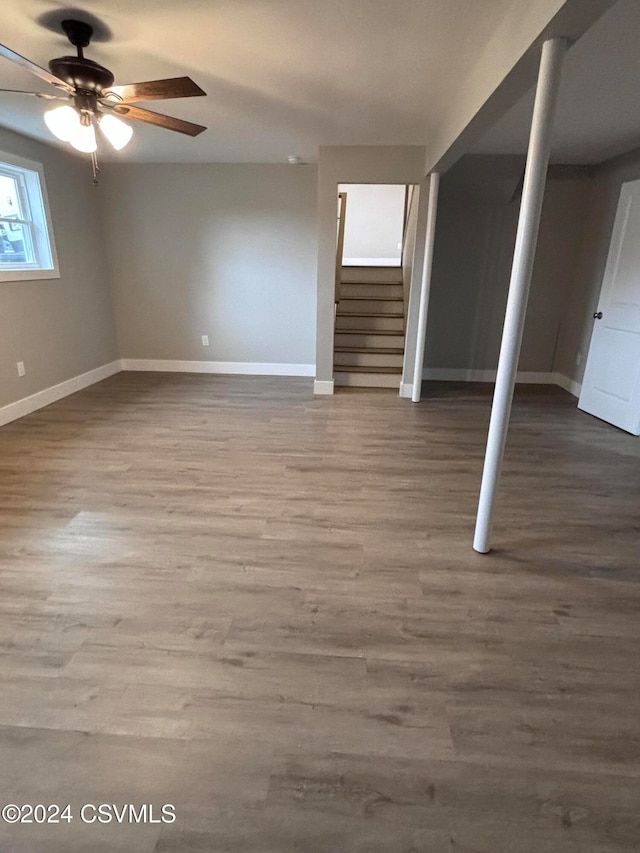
(264, 609)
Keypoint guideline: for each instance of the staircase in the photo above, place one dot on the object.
(369, 333)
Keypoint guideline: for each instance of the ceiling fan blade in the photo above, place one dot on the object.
(168, 122)
(42, 73)
(156, 90)
(35, 94)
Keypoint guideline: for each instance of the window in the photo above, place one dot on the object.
(27, 249)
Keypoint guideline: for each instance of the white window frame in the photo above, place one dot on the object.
(33, 190)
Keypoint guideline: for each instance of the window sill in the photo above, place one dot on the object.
(27, 275)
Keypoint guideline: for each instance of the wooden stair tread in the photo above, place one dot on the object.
(376, 350)
(390, 315)
(359, 368)
(370, 299)
(396, 332)
(374, 283)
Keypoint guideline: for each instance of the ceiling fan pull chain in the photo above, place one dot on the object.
(95, 167)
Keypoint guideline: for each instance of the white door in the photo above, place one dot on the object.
(611, 386)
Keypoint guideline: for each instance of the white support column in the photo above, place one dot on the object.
(553, 52)
(434, 186)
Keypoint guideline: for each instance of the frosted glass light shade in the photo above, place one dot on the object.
(84, 138)
(117, 132)
(63, 122)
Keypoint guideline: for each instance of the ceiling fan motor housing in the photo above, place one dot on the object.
(83, 74)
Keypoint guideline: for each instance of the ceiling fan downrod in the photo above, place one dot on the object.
(83, 74)
(79, 34)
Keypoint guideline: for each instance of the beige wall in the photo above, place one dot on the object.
(60, 327)
(475, 236)
(230, 251)
(223, 250)
(374, 223)
(473, 252)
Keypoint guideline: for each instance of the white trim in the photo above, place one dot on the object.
(569, 385)
(460, 374)
(455, 374)
(323, 386)
(245, 368)
(425, 283)
(20, 408)
(13, 411)
(372, 262)
(7, 276)
(47, 246)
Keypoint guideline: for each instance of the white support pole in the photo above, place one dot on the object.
(553, 52)
(425, 287)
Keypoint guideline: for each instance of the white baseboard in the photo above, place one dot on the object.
(245, 368)
(36, 401)
(569, 385)
(20, 408)
(524, 377)
(463, 375)
(323, 386)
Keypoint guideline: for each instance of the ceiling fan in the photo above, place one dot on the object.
(95, 101)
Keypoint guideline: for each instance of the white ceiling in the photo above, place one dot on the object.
(598, 113)
(282, 76)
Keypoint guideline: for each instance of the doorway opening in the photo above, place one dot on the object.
(374, 257)
(374, 224)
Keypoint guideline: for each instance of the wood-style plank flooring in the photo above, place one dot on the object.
(264, 609)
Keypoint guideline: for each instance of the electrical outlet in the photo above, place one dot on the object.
(578, 359)
(20, 368)
(205, 340)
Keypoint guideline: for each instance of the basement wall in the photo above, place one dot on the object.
(475, 237)
(374, 224)
(227, 251)
(60, 327)
(230, 251)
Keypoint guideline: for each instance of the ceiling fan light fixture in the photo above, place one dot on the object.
(63, 122)
(84, 138)
(116, 131)
(93, 97)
